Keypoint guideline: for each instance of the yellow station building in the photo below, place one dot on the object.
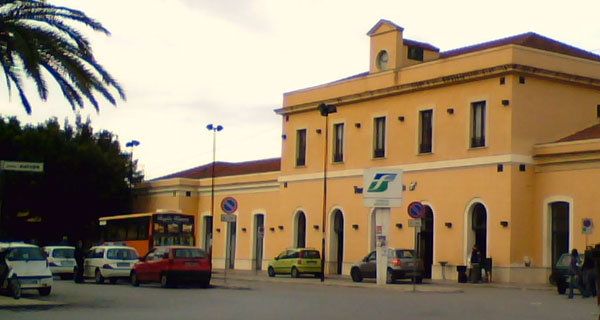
(500, 141)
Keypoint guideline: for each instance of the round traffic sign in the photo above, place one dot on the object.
(229, 205)
(416, 210)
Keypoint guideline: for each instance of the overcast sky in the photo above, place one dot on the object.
(187, 63)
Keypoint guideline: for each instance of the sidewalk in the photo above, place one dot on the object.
(231, 278)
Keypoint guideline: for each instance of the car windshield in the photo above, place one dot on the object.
(63, 253)
(189, 253)
(121, 254)
(404, 254)
(25, 254)
(310, 254)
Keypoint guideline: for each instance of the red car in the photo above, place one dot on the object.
(173, 265)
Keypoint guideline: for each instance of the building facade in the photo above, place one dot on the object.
(498, 140)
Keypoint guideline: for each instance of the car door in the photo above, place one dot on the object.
(158, 264)
(369, 265)
(279, 263)
(142, 268)
(92, 261)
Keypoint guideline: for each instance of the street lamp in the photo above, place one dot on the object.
(214, 129)
(131, 144)
(325, 110)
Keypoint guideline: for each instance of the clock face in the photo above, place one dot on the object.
(382, 60)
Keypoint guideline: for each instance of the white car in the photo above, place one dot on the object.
(62, 260)
(28, 262)
(112, 262)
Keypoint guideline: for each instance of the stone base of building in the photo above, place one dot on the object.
(514, 274)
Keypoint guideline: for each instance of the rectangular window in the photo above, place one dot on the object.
(379, 137)
(338, 142)
(301, 147)
(478, 124)
(426, 128)
(415, 53)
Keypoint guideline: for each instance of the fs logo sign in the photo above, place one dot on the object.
(381, 182)
(383, 188)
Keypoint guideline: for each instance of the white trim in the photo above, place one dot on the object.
(416, 167)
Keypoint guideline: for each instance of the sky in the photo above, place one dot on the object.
(185, 64)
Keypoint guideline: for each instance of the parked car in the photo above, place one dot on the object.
(62, 260)
(27, 262)
(560, 273)
(295, 262)
(402, 264)
(173, 265)
(112, 262)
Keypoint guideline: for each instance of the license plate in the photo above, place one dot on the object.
(191, 264)
(28, 281)
(122, 264)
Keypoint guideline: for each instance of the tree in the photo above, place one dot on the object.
(36, 36)
(86, 176)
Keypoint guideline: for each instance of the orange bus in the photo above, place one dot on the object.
(146, 230)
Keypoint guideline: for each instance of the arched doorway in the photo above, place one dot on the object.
(559, 223)
(300, 227)
(479, 228)
(337, 242)
(425, 245)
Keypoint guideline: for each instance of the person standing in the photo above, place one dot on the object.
(79, 259)
(588, 272)
(475, 264)
(575, 275)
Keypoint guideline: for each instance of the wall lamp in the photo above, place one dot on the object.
(272, 229)
(319, 131)
(218, 229)
(450, 110)
(243, 229)
(448, 225)
(358, 190)
(401, 118)
(504, 223)
(357, 125)
(399, 225)
(284, 136)
(355, 226)
(280, 227)
(505, 102)
(316, 227)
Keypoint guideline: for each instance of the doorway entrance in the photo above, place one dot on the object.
(259, 233)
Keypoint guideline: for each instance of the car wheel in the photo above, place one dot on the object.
(44, 291)
(164, 281)
(134, 279)
(271, 272)
(14, 287)
(98, 277)
(295, 273)
(356, 275)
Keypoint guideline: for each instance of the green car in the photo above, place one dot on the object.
(560, 272)
(295, 262)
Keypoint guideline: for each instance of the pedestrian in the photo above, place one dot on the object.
(588, 272)
(575, 275)
(79, 259)
(475, 264)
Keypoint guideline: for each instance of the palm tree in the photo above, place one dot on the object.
(37, 36)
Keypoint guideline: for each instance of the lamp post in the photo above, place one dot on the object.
(214, 129)
(131, 144)
(325, 110)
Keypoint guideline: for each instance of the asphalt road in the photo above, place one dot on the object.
(284, 298)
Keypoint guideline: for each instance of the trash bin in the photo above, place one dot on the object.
(462, 274)
(475, 274)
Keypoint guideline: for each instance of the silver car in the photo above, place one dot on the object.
(402, 264)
